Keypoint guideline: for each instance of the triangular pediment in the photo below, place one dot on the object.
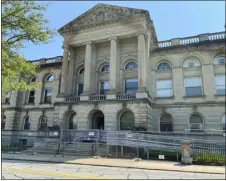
(102, 14)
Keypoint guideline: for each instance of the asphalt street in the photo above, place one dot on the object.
(14, 169)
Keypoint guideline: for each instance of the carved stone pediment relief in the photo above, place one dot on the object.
(103, 14)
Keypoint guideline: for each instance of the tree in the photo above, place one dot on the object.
(22, 22)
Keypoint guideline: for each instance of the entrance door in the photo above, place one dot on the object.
(98, 120)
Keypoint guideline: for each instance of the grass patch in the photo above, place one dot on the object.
(209, 158)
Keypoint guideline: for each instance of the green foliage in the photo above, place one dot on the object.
(22, 22)
(208, 157)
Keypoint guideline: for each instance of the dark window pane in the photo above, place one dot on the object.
(166, 127)
(81, 71)
(48, 96)
(3, 124)
(104, 87)
(163, 66)
(80, 89)
(131, 65)
(193, 91)
(70, 125)
(105, 68)
(31, 100)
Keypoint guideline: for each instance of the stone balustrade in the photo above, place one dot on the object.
(126, 96)
(97, 97)
(192, 39)
(47, 61)
(101, 97)
(73, 99)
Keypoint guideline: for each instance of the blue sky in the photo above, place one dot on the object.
(171, 19)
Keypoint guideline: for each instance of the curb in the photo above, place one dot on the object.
(68, 162)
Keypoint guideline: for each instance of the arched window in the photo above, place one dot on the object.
(163, 66)
(43, 122)
(219, 60)
(127, 121)
(27, 123)
(131, 65)
(191, 63)
(81, 71)
(196, 123)
(33, 79)
(3, 121)
(105, 68)
(223, 123)
(166, 123)
(49, 78)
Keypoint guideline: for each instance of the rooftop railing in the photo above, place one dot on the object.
(191, 40)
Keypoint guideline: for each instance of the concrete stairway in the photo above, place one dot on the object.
(77, 149)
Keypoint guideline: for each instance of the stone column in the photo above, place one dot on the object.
(88, 64)
(186, 152)
(64, 71)
(113, 68)
(141, 60)
(71, 72)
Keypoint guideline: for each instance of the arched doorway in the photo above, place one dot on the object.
(72, 121)
(97, 120)
(196, 123)
(127, 120)
(166, 123)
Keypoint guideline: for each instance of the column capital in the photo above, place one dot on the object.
(141, 33)
(87, 42)
(113, 38)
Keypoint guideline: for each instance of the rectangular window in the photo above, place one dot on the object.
(31, 97)
(164, 88)
(48, 96)
(220, 84)
(193, 86)
(80, 89)
(131, 85)
(104, 87)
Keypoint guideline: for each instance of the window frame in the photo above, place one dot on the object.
(48, 77)
(166, 123)
(103, 81)
(220, 85)
(40, 122)
(104, 71)
(217, 62)
(191, 60)
(29, 96)
(191, 130)
(125, 85)
(170, 68)
(128, 69)
(78, 88)
(201, 87)
(164, 88)
(44, 97)
(80, 71)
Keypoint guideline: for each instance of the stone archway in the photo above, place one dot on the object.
(70, 120)
(126, 120)
(97, 120)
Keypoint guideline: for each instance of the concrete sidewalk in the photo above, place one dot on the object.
(122, 163)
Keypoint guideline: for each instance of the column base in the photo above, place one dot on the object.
(60, 97)
(84, 97)
(110, 96)
(141, 89)
(186, 160)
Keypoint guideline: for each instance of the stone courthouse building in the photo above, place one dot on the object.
(115, 75)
